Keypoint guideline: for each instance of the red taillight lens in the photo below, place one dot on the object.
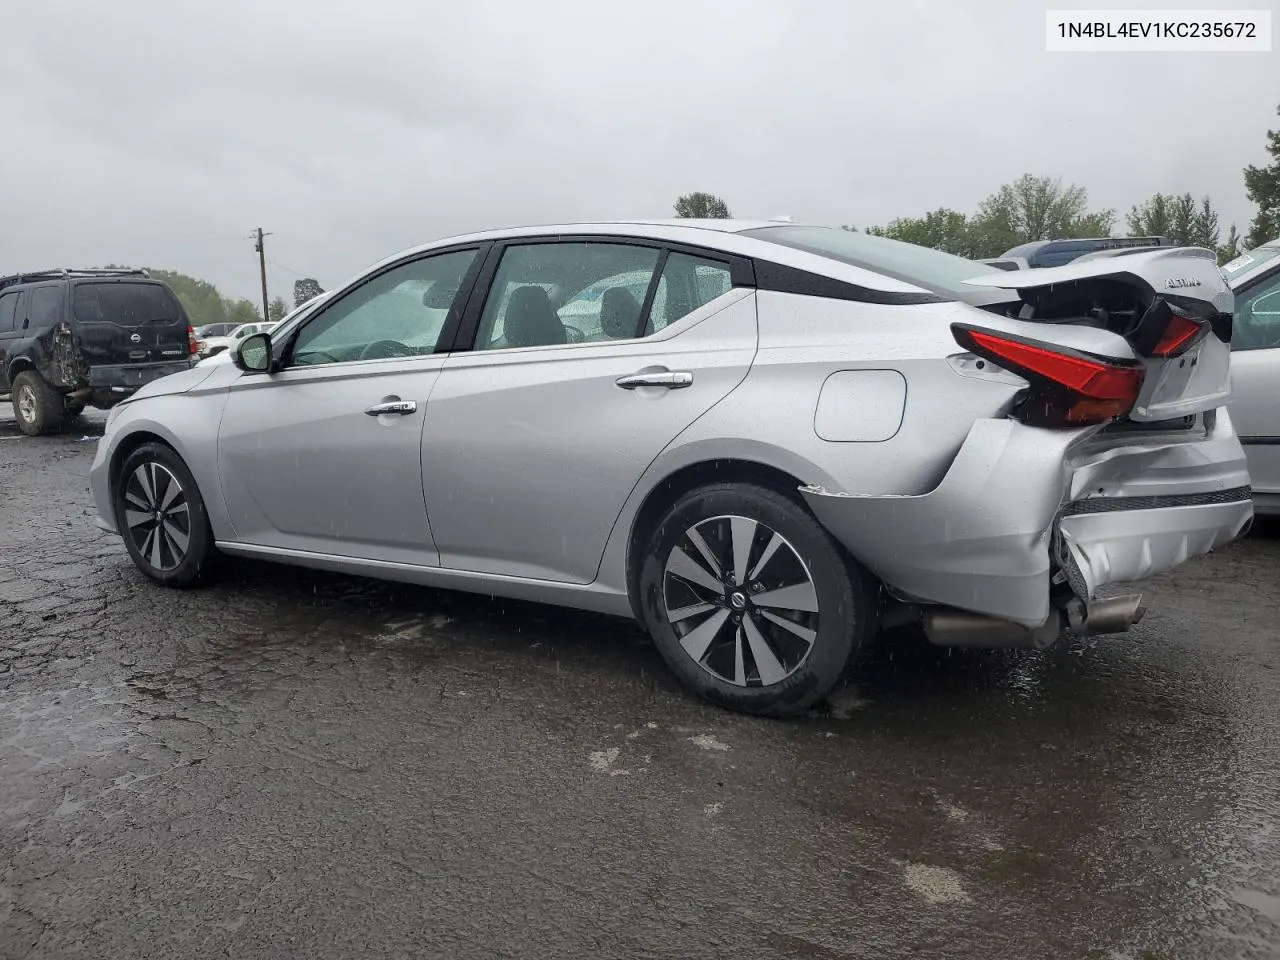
(1067, 388)
(1179, 336)
(192, 343)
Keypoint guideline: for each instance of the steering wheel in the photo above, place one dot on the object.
(385, 349)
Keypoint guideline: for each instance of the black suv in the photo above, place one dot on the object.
(69, 338)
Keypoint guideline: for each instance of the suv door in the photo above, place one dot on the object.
(1255, 384)
(10, 319)
(536, 436)
(324, 454)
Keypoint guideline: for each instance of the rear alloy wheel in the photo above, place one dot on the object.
(161, 516)
(37, 406)
(751, 602)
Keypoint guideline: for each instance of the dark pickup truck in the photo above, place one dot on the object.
(72, 338)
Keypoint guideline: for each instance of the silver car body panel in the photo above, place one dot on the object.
(1255, 405)
(523, 471)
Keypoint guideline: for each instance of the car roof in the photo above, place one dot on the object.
(725, 236)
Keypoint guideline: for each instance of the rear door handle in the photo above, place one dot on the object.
(401, 407)
(672, 379)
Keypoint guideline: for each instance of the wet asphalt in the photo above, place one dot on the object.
(294, 764)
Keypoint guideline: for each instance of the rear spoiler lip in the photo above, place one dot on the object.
(1094, 268)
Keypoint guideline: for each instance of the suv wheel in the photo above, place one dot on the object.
(161, 515)
(751, 602)
(37, 406)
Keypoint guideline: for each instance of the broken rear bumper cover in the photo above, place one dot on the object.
(1020, 502)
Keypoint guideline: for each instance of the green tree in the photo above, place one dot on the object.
(943, 229)
(277, 309)
(1035, 208)
(1262, 186)
(242, 311)
(305, 289)
(702, 206)
(201, 299)
(1231, 249)
(1178, 218)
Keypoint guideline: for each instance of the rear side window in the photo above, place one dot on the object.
(44, 306)
(687, 283)
(124, 304)
(8, 310)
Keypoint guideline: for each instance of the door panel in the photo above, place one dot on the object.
(1255, 379)
(326, 455)
(529, 455)
(303, 467)
(1255, 411)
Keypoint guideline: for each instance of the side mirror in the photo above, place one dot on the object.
(253, 353)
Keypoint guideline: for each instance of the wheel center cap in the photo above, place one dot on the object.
(738, 600)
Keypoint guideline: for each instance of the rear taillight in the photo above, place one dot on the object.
(1067, 388)
(192, 343)
(1180, 335)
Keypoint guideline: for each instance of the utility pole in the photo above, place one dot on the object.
(261, 249)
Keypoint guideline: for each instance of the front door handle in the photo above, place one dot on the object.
(672, 379)
(401, 407)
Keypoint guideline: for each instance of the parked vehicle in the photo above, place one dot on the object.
(215, 330)
(1255, 368)
(1055, 253)
(69, 338)
(213, 345)
(794, 435)
(224, 356)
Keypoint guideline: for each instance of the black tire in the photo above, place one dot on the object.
(144, 482)
(728, 671)
(37, 407)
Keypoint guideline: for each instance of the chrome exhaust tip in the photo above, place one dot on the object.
(1114, 615)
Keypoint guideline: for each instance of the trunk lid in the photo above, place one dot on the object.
(1136, 297)
(129, 321)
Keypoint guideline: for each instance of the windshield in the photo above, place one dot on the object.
(942, 273)
(1251, 260)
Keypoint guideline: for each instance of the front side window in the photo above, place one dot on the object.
(1257, 317)
(545, 294)
(399, 313)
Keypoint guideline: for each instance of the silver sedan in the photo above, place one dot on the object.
(763, 441)
(1255, 367)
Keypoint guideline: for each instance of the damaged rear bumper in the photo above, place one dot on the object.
(1022, 504)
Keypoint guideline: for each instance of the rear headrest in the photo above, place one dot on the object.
(530, 321)
(619, 313)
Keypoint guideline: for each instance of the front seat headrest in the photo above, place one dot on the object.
(530, 321)
(619, 314)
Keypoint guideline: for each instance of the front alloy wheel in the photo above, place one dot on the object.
(161, 516)
(751, 602)
(157, 515)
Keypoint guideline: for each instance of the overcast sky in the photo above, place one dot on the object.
(161, 132)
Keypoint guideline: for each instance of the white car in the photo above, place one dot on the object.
(1255, 368)
(216, 345)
